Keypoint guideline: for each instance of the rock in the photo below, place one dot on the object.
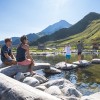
(52, 70)
(19, 76)
(11, 89)
(42, 88)
(68, 98)
(53, 90)
(83, 63)
(64, 66)
(31, 81)
(84, 85)
(40, 78)
(2, 65)
(95, 96)
(69, 91)
(58, 82)
(14, 69)
(94, 85)
(96, 61)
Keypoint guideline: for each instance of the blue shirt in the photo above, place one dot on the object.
(4, 50)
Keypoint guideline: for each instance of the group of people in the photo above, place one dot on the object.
(22, 57)
(67, 49)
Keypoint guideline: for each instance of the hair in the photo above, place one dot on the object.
(8, 40)
(79, 41)
(24, 37)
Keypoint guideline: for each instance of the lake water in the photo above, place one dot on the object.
(87, 80)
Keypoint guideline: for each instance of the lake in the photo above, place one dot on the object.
(87, 80)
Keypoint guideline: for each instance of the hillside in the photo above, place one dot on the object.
(73, 30)
(31, 37)
(54, 27)
(88, 36)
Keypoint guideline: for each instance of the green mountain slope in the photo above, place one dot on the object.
(90, 35)
(73, 30)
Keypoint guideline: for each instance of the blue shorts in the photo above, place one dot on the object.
(68, 56)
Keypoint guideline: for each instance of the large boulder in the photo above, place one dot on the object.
(19, 76)
(54, 90)
(42, 88)
(95, 96)
(31, 81)
(82, 63)
(65, 66)
(41, 78)
(11, 89)
(52, 70)
(96, 61)
(69, 91)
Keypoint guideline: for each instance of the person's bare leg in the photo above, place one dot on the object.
(10, 63)
(31, 68)
(79, 58)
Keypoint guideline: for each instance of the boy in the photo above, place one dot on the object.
(68, 52)
(7, 56)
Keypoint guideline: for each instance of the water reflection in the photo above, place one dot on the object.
(82, 77)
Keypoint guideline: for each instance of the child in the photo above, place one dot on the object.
(68, 52)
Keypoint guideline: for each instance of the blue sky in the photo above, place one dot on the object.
(18, 17)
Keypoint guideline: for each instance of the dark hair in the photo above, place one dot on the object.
(8, 40)
(79, 41)
(24, 37)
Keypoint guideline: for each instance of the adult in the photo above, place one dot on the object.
(80, 49)
(23, 55)
(7, 56)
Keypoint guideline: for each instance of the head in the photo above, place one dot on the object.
(24, 39)
(8, 42)
(79, 41)
(68, 44)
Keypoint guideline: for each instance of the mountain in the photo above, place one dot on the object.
(74, 29)
(90, 35)
(13, 39)
(16, 40)
(55, 27)
(31, 37)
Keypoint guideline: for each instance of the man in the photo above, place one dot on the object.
(7, 56)
(80, 49)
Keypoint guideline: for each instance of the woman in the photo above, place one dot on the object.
(23, 56)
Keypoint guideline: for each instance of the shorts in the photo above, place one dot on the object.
(68, 56)
(25, 62)
(79, 53)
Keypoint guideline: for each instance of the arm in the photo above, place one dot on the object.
(7, 56)
(28, 53)
(12, 56)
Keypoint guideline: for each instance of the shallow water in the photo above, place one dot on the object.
(87, 80)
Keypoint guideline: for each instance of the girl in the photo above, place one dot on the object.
(23, 56)
(68, 52)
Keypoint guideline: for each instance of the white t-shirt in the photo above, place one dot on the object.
(68, 50)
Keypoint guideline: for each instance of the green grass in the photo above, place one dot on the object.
(90, 35)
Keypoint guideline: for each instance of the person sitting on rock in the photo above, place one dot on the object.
(23, 55)
(7, 56)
